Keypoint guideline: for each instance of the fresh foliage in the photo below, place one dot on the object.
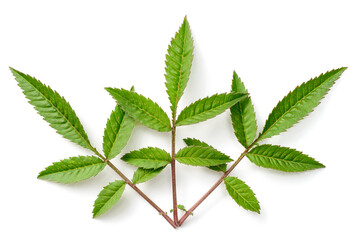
(242, 194)
(73, 169)
(196, 142)
(243, 115)
(53, 108)
(282, 158)
(150, 161)
(142, 175)
(148, 158)
(299, 103)
(141, 109)
(117, 132)
(178, 64)
(201, 156)
(108, 197)
(207, 108)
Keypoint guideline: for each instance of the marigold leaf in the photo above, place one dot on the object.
(117, 132)
(108, 197)
(282, 158)
(148, 158)
(73, 169)
(196, 142)
(208, 107)
(201, 156)
(243, 115)
(178, 64)
(141, 109)
(299, 103)
(142, 175)
(242, 194)
(53, 108)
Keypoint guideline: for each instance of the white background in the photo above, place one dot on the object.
(80, 47)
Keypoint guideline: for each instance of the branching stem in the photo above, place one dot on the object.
(133, 186)
(187, 214)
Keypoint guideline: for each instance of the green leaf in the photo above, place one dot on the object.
(73, 169)
(299, 103)
(243, 115)
(208, 107)
(282, 158)
(142, 175)
(196, 142)
(201, 156)
(141, 109)
(53, 108)
(242, 194)
(178, 64)
(117, 132)
(148, 158)
(108, 197)
(181, 207)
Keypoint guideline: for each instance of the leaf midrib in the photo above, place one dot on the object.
(88, 143)
(72, 169)
(108, 200)
(145, 175)
(147, 159)
(212, 109)
(282, 160)
(292, 107)
(116, 137)
(223, 161)
(146, 112)
(178, 85)
(242, 121)
(229, 184)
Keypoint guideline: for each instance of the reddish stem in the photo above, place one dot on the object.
(187, 214)
(173, 175)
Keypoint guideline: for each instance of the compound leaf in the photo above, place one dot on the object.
(108, 197)
(73, 169)
(142, 175)
(117, 132)
(201, 156)
(141, 109)
(208, 107)
(242, 194)
(299, 103)
(282, 158)
(196, 142)
(178, 63)
(148, 158)
(53, 108)
(243, 115)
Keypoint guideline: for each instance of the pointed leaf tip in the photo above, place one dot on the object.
(73, 169)
(282, 158)
(196, 142)
(141, 109)
(108, 197)
(209, 107)
(178, 62)
(242, 194)
(118, 130)
(53, 108)
(299, 103)
(243, 115)
(201, 156)
(148, 158)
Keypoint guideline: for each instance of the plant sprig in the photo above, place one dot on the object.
(151, 161)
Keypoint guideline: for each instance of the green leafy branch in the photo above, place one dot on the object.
(290, 110)
(59, 114)
(150, 161)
